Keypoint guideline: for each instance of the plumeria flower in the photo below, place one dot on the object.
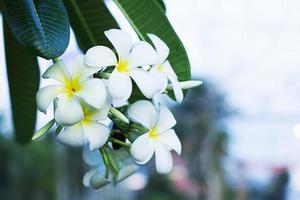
(163, 71)
(160, 139)
(88, 131)
(131, 56)
(71, 88)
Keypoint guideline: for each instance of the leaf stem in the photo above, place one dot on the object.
(105, 160)
(124, 144)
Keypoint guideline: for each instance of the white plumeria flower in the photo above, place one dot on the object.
(88, 131)
(72, 87)
(163, 70)
(131, 56)
(160, 139)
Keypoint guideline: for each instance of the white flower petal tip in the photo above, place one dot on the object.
(160, 46)
(121, 40)
(186, 84)
(100, 56)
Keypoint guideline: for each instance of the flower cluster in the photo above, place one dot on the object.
(91, 105)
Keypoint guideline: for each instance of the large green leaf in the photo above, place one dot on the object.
(89, 19)
(23, 76)
(146, 16)
(161, 4)
(40, 25)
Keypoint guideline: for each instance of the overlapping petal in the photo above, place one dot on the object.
(93, 92)
(177, 90)
(142, 54)
(68, 111)
(161, 48)
(163, 159)
(72, 136)
(80, 71)
(145, 81)
(142, 149)
(144, 113)
(96, 134)
(58, 71)
(166, 120)
(100, 56)
(170, 140)
(46, 95)
(119, 85)
(121, 40)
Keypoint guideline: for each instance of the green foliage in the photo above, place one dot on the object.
(146, 16)
(89, 20)
(42, 26)
(23, 76)
(161, 4)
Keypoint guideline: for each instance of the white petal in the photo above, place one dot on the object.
(142, 54)
(161, 80)
(166, 120)
(142, 149)
(80, 71)
(46, 95)
(163, 159)
(72, 136)
(93, 92)
(144, 113)
(161, 48)
(119, 85)
(169, 70)
(87, 177)
(119, 102)
(121, 40)
(102, 113)
(100, 56)
(145, 81)
(96, 134)
(68, 111)
(177, 90)
(58, 71)
(170, 140)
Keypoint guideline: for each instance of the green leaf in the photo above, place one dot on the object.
(23, 78)
(89, 19)
(146, 16)
(42, 26)
(161, 4)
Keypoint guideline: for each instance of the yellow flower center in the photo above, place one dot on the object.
(160, 68)
(153, 133)
(72, 86)
(122, 66)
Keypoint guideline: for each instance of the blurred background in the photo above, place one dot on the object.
(239, 130)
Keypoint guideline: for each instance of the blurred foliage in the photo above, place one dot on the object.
(200, 126)
(27, 172)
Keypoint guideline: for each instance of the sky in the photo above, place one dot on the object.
(251, 51)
